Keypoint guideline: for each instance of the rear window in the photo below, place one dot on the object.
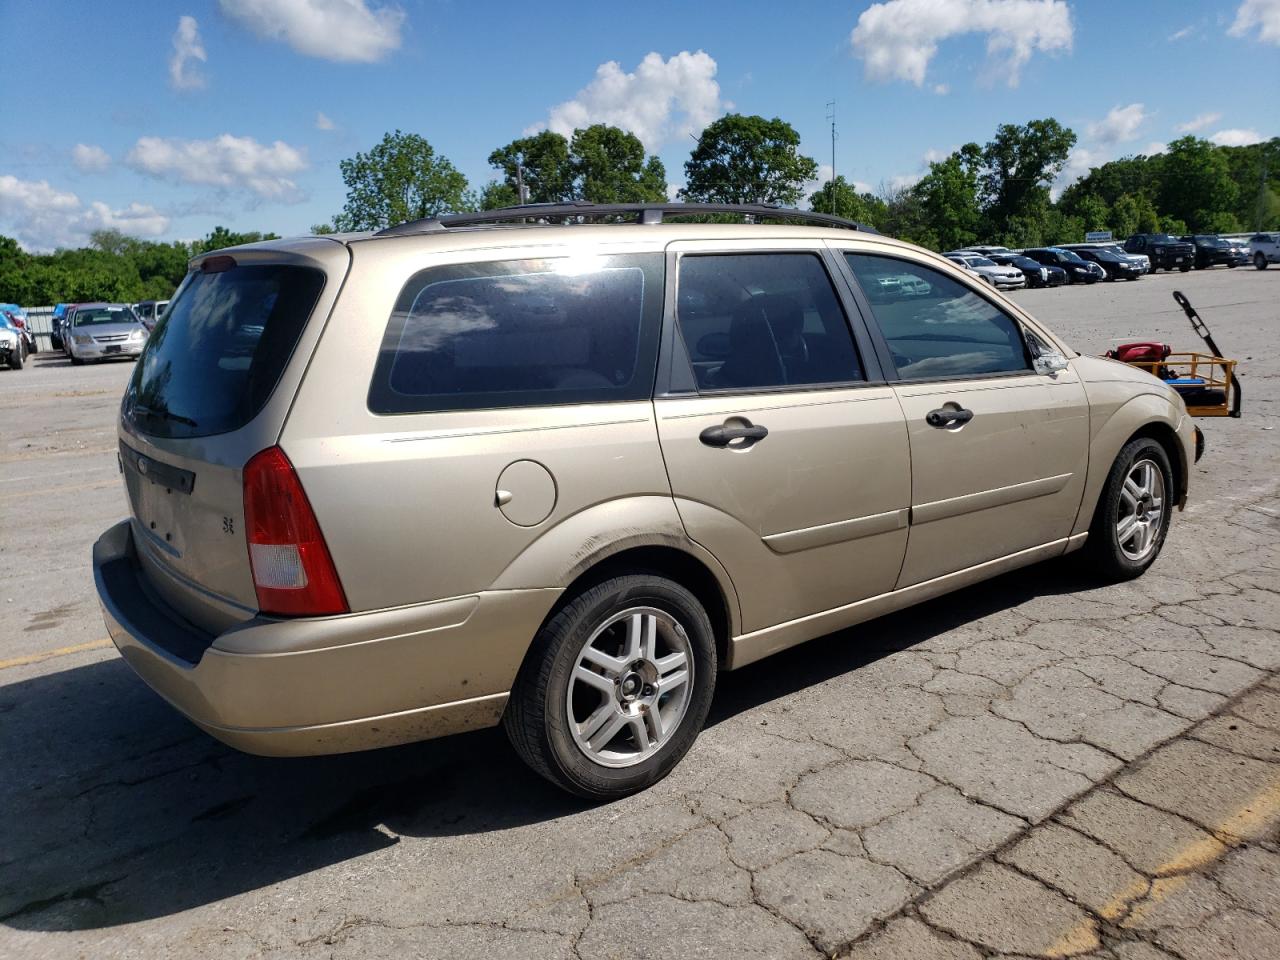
(521, 333)
(219, 349)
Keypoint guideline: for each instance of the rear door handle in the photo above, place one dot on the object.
(944, 417)
(722, 435)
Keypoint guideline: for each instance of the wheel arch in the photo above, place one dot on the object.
(1144, 415)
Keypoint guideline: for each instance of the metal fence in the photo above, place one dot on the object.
(40, 322)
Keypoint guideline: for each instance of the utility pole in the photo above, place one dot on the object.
(521, 190)
(831, 115)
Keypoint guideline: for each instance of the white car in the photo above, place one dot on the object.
(1002, 278)
(1264, 249)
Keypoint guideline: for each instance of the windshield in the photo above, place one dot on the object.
(1025, 263)
(88, 316)
(980, 262)
(1072, 256)
(1162, 238)
(219, 349)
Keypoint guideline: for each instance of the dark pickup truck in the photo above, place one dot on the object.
(1163, 250)
(1212, 250)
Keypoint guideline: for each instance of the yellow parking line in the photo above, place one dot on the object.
(1176, 872)
(60, 652)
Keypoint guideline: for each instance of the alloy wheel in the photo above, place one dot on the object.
(1142, 508)
(630, 687)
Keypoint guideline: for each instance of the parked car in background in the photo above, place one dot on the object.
(639, 471)
(1165, 252)
(1077, 269)
(1115, 267)
(13, 346)
(55, 325)
(1141, 259)
(1037, 274)
(105, 331)
(1265, 249)
(1241, 246)
(987, 251)
(18, 318)
(149, 311)
(1002, 278)
(1213, 251)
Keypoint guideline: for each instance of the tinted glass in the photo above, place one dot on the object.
(217, 353)
(522, 333)
(755, 321)
(949, 331)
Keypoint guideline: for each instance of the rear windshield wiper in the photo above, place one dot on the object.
(163, 415)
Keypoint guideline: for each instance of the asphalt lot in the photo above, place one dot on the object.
(1034, 767)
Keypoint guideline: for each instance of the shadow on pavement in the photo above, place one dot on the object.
(113, 809)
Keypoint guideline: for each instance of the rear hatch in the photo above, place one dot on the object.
(211, 390)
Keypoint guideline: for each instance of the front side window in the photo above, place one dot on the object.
(949, 331)
(518, 333)
(760, 321)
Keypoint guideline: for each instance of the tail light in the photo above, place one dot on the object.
(293, 572)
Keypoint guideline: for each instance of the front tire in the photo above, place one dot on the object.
(1259, 262)
(1132, 518)
(615, 688)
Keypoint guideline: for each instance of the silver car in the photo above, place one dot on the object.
(104, 331)
(560, 475)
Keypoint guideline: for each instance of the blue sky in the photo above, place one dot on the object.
(164, 119)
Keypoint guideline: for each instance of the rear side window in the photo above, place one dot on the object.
(218, 351)
(760, 321)
(517, 333)
(937, 327)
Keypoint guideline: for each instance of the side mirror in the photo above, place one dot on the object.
(1048, 364)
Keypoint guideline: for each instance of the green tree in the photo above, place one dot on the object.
(609, 166)
(840, 197)
(1020, 163)
(1195, 182)
(221, 237)
(322, 229)
(543, 162)
(497, 194)
(748, 159)
(400, 179)
(948, 196)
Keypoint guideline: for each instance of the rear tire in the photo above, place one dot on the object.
(1185, 268)
(1132, 517)
(629, 637)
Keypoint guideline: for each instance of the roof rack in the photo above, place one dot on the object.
(648, 213)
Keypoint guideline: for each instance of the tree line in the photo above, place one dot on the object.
(998, 192)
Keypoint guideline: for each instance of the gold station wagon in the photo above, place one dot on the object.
(556, 467)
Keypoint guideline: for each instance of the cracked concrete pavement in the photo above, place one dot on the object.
(1033, 767)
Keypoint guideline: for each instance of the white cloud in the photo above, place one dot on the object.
(1263, 14)
(1236, 137)
(661, 101)
(896, 39)
(90, 158)
(43, 217)
(1079, 162)
(1154, 147)
(1182, 34)
(1119, 125)
(232, 163)
(1198, 123)
(941, 89)
(187, 46)
(323, 122)
(347, 31)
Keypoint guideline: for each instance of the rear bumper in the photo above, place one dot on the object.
(323, 685)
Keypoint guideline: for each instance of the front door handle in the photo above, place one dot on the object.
(945, 417)
(724, 434)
